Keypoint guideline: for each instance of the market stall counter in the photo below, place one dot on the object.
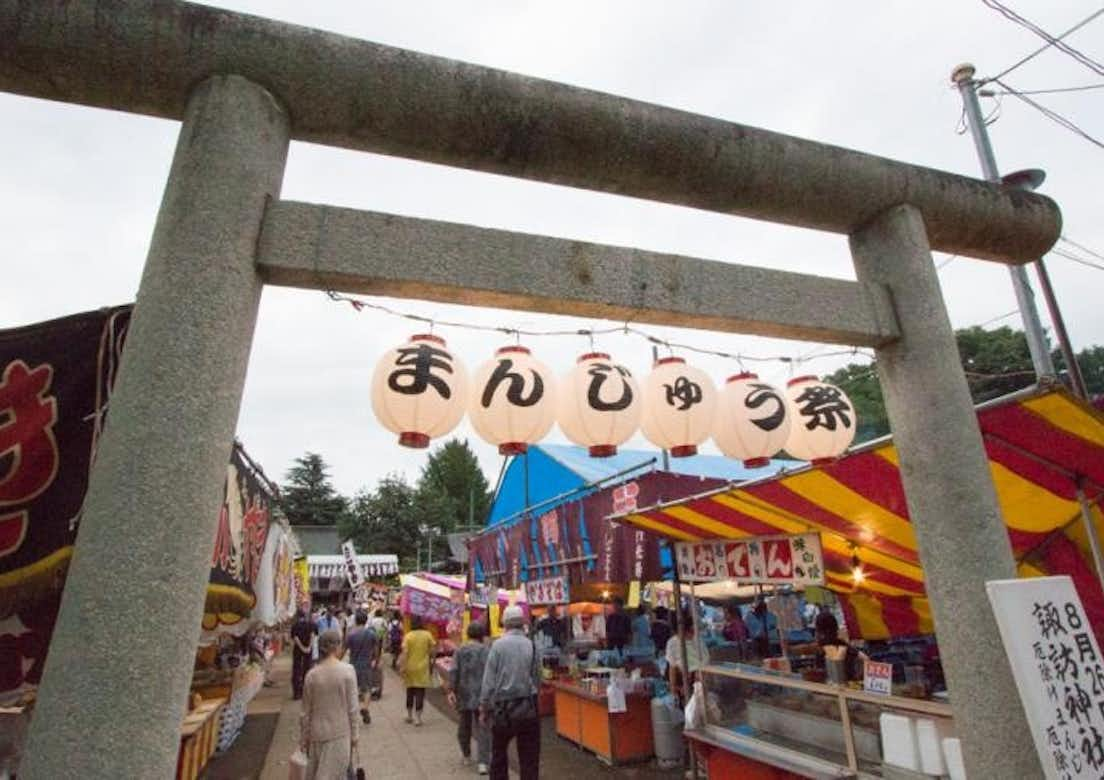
(583, 717)
(199, 735)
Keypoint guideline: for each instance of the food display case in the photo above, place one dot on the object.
(813, 729)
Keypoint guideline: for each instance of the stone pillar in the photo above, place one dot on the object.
(951, 498)
(116, 680)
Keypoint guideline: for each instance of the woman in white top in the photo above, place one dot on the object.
(330, 721)
(673, 653)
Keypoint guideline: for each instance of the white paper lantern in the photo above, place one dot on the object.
(679, 405)
(753, 420)
(419, 390)
(823, 420)
(513, 400)
(599, 404)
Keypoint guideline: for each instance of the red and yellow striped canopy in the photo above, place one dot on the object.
(1041, 444)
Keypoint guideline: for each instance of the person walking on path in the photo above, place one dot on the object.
(465, 686)
(394, 639)
(508, 698)
(414, 666)
(364, 654)
(328, 726)
(302, 640)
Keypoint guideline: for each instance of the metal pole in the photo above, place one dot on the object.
(1090, 530)
(676, 591)
(1030, 180)
(116, 680)
(963, 77)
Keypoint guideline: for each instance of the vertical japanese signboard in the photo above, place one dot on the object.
(352, 568)
(781, 560)
(550, 590)
(1058, 669)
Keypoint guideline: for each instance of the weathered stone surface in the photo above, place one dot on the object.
(960, 534)
(146, 55)
(305, 245)
(121, 659)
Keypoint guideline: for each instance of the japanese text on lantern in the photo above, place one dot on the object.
(1058, 669)
(794, 560)
(549, 590)
(28, 449)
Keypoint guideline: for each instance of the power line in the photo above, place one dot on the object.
(943, 264)
(1004, 316)
(1082, 247)
(1055, 91)
(1052, 115)
(1076, 259)
(1057, 43)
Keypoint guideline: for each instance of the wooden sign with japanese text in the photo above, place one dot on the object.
(549, 590)
(1058, 669)
(352, 567)
(781, 560)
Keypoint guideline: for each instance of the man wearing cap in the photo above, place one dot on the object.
(508, 698)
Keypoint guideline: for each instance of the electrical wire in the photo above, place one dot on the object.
(1076, 259)
(1052, 115)
(1055, 91)
(359, 304)
(945, 262)
(1082, 247)
(1057, 43)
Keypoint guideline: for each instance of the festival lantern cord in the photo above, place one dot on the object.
(753, 420)
(679, 407)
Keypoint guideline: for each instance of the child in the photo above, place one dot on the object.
(465, 682)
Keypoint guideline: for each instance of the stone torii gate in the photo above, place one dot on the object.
(119, 667)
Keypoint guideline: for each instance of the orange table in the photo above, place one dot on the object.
(583, 718)
(198, 738)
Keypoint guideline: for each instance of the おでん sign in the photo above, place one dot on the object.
(1058, 669)
(792, 560)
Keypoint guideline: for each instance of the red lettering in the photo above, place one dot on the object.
(27, 418)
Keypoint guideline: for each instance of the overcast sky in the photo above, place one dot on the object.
(79, 188)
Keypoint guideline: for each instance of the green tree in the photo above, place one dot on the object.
(385, 520)
(452, 488)
(996, 362)
(308, 496)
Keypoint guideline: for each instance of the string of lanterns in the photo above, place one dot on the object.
(420, 391)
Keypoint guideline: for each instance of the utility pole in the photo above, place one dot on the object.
(963, 77)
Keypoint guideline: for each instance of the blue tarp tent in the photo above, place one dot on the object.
(566, 472)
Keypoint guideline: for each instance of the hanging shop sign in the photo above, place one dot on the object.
(352, 568)
(1058, 669)
(548, 590)
(780, 560)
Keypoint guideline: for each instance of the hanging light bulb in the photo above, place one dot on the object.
(857, 573)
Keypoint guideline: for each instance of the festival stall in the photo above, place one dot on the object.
(548, 534)
(1046, 452)
(55, 388)
(331, 583)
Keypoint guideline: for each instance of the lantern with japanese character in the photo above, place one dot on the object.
(679, 403)
(513, 400)
(823, 420)
(599, 404)
(753, 420)
(419, 390)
